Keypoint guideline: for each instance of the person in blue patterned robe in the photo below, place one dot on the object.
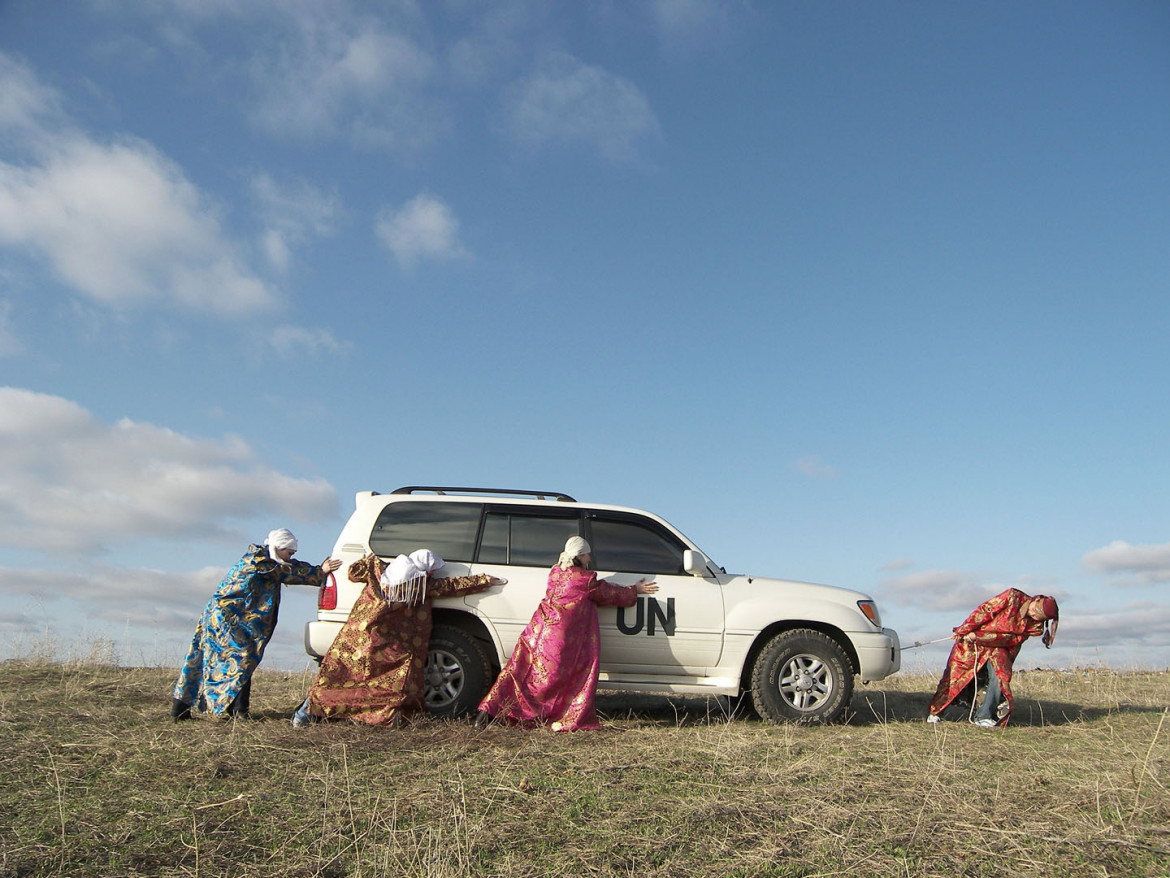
(236, 626)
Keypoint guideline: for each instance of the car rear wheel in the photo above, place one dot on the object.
(458, 672)
(802, 676)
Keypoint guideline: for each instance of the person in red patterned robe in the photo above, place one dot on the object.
(992, 635)
(373, 672)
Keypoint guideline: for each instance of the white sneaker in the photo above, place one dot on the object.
(933, 719)
(986, 723)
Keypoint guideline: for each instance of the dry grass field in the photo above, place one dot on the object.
(98, 781)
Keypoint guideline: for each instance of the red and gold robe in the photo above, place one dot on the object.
(1000, 630)
(373, 672)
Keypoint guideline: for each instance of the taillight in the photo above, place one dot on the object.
(327, 597)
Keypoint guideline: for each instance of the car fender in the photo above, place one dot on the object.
(758, 607)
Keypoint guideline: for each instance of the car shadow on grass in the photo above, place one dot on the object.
(869, 707)
(680, 710)
(877, 706)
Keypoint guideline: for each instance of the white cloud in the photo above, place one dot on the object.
(1136, 623)
(570, 102)
(118, 222)
(813, 467)
(944, 590)
(297, 341)
(73, 483)
(688, 25)
(423, 228)
(27, 107)
(292, 212)
(1150, 564)
(496, 39)
(116, 594)
(314, 71)
(337, 73)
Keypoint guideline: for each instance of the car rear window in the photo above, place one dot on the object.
(447, 529)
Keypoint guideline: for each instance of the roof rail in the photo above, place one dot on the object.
(540, 495)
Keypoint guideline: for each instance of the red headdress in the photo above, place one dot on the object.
(1051, 619)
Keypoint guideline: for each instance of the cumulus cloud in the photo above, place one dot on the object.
(118, 222)
(423, 228)
(292, 212)
(115, 594)
(686, 25)
(343, 74)
(1148, 564)
(297, 341)
(942, 590)
(27, 107)
(1136, 623)
(140, 616)
(569, 102)
(73, 483)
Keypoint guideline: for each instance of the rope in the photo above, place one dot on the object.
(918, 643)
(975, 683)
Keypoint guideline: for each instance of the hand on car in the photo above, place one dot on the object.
(644, 587)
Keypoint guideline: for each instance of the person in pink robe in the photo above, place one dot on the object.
(551, 678)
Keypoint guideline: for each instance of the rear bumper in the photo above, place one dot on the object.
(319, 637)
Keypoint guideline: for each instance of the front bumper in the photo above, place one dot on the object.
(879, 654)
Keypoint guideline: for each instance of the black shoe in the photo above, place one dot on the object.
(180, 710)
(482, 719)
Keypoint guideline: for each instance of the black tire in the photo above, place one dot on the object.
(458, 672)
(802, 676)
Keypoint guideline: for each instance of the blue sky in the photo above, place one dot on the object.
(872, 294)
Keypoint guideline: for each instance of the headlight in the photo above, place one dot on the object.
(870, 611)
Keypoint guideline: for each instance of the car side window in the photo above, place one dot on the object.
(447, 529)
(525, 540)
(630, 546)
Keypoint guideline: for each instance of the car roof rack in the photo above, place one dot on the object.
(540, 495)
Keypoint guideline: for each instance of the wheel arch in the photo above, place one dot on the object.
(842, 639)
(470, 624)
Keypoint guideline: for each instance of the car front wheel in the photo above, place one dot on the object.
(458, 672)
(802, 676)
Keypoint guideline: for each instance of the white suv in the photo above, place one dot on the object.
(794, 646)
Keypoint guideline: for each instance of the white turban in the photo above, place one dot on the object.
(281, 538)
(404, 580)
(574, 546)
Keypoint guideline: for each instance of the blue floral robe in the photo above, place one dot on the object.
(236, 626)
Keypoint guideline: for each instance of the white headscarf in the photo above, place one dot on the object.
(574, 546)
(281, 538)
(405, 579)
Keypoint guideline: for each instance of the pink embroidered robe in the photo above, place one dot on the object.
(1000, 631)
(551, 677)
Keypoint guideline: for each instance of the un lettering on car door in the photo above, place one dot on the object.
(679, 629)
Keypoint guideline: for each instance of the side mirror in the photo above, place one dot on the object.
(695, 563)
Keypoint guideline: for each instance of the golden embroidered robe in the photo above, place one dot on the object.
(373, 672)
